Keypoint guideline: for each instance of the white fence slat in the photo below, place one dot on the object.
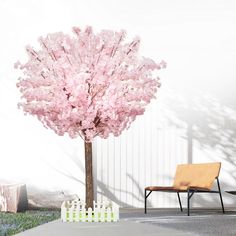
(115, 214)
(95, 215)
(71, 210)
(115, 210)
(90, 214)
(108, 214)
(83, 215)
(77, 214)
(102, 215)
(63, 214)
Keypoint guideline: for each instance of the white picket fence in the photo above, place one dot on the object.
(75, 211)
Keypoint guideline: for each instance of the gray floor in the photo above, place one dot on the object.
(156, 222)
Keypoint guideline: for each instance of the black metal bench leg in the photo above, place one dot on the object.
(190, 194)
(221, 199)
(180, 205)
(145, 201)
(188, 204)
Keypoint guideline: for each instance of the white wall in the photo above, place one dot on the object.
(193, 119)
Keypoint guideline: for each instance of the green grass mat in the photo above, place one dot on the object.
(13, 223)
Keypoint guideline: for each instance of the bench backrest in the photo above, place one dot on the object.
(196, 175)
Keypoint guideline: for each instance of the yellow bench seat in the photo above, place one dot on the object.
(191, 178)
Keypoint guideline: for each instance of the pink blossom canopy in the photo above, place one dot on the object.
(87, 84)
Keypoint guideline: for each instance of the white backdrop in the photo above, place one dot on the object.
(193, 119)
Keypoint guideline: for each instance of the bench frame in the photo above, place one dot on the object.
(190, 192)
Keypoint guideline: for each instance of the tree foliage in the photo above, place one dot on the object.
(87, 84)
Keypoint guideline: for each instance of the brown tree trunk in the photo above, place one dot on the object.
(89, 175)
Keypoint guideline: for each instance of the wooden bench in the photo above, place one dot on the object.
(191, 178)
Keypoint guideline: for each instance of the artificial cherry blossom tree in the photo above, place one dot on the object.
(87, 85)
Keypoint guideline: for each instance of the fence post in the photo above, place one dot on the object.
(102, 215)
(83, 215)
(115, 209)
(90, 214)
(108, 214)
(95, 215)
(63, 212)
(115, 214)
(71, 214)
(77, 214)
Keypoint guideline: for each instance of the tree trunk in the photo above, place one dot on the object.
(89, 175)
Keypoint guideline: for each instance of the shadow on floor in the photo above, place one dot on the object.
(200, 222)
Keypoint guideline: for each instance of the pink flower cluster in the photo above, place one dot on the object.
(87, 84)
